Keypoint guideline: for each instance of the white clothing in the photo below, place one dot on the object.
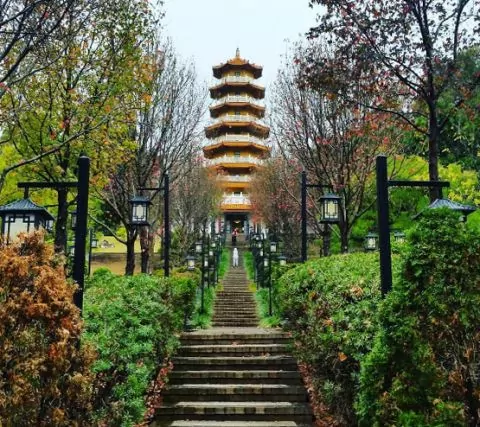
(235, 257)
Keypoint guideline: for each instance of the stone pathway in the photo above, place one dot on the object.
(235, 304)
(234, 374)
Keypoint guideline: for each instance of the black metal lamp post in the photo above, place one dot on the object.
(382, 211)
(25, 215)
(139, 215)
(329, 208)
(267, 265)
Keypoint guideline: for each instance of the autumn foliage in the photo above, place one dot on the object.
(45, 378)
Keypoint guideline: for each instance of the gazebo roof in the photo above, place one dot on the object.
(24, 205)
(450, 204)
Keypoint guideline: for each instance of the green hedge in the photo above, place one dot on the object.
(133, 322)
(424, 368)
(329, 305)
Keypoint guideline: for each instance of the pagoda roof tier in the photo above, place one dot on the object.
(219, 108)
(232, 84)
(225, 124)
(212, 150)
(237, 63)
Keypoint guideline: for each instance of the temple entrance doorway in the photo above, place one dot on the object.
(238, 221)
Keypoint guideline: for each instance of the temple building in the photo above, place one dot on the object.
(236, 138)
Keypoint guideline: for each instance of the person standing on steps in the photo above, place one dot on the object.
(235, 257)
(234, 236)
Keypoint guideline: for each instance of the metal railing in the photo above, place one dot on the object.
(236, 200)
(237, 118)
(236, 79)
(238, 138)
(237, 98)
(234, 159)
(234, 178)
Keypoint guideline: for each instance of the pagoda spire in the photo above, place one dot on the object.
(237, 53)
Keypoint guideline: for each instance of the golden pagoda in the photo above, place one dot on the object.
(236, 137)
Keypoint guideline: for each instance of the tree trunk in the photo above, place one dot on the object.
(344, 239)
(327, 240)
(130, 263)
(145, 249)
(61, 234)
(344, 230)
(433, 139)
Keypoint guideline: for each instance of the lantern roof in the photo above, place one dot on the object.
(140, 200)
(25, 206)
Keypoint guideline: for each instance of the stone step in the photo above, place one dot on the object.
(242, 318)
(235, 392)
(235, 313)
(235, 324)
(232, 339)
(189, 423)
(230, 363)
(236, 411)
(238, 377)
(233, 350)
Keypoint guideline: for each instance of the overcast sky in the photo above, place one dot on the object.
(209, 31)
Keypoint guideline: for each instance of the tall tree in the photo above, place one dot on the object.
(24, 28)
(405, 53)
(83, 102)
(275, 196)
(166, 136)
(195, 198)
(336, 142)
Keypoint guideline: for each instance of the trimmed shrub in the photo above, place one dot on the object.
(45, 375)
(424, 367)
(134, 323)
(329, 305)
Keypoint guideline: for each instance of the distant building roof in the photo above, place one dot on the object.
(24, 205)
(450, 204)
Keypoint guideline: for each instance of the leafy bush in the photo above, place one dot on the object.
(424, 366)
(133, 322)
(329, 305)
(46, 378)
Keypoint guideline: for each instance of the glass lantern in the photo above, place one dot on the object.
(371, 241)
(140, 210)
(330, 208)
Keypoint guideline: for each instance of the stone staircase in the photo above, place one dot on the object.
(235, 304)
(234, 375)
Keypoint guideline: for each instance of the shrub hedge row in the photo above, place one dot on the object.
(410, 359)
(133, 322)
